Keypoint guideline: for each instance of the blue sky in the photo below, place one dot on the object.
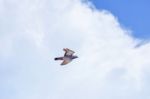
(133, 14)
(34, 32)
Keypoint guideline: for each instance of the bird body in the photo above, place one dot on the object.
(68, 56)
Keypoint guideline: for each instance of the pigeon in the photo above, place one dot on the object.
(68, 56)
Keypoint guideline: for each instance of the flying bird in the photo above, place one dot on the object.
(68, 56)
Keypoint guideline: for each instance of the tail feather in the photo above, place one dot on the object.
(58, 58)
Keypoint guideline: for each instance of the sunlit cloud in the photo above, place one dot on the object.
(111, 65)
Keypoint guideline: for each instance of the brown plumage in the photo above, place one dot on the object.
(68, 56)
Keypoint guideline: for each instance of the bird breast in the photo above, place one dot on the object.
(67, 58)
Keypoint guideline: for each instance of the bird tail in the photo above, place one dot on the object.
(58, 58)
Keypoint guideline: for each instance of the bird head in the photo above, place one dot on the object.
(74, 57)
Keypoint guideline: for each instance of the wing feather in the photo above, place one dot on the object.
(65, 62)
(68, 52)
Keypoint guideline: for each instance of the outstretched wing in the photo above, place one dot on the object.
(65, 62)
(68, 52)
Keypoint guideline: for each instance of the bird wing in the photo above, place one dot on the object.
(65, 62)
(68, 52)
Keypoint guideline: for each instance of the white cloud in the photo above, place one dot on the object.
(109, 65)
